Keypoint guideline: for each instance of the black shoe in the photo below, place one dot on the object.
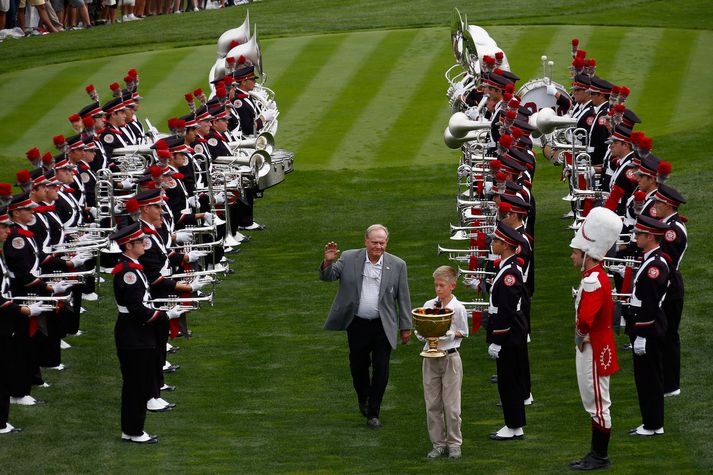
(364, 409)
(590, 462)
(494, 379)
(373, 423)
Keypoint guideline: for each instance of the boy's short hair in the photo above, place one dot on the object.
(446, 273)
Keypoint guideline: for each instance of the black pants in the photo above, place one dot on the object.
(511, 384)
(25, 368)
(369, 347)
(5, 362)
(648, 375)
(137, 372)
(161, 328)
(673, 309)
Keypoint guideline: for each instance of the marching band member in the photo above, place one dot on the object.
(252, 119)
(674, 245)
(507, 330)
(134, 333)
(646, 324)
(596, 357)
(623, 181)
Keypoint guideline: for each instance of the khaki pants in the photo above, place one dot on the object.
(442, 379)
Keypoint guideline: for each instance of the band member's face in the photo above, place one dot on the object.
(23, 216)
(203, 127)
(51, 193)
(190, 135)
(137, 247)
(98, 122)
(4, 232)
(496, 247)
(129, 114)
(443, 288)
(661, 209)
(375, 244)
(247, 84)
(577, 258)
(38, 193)
(119, 118)
(64, 175)
(152, 212)
(221, 125)
(89, 155)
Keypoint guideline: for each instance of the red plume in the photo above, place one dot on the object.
(645, 143)
(517, 133)
(172, 123)
(505, 141)
(578, 63)
(88, 122)
(625, 91)
(33, 154)
(615, 90)
(58, 140)
(504, 207)
(132, 206)
(180, 124)
(581, 53)
(221, 92)
(591, 62)
(501, 176)
(639, 196)
(133, 73)
(198, 92)
(161, 145)
(228, 80)
(5, 189)
(510, 88)
(575, 41)
(619, 108)
(114, 86)
(23, 176)
(241, 59)
(74, 118)
(664, 168)
(230, 60)
(188, 97)
(636, 137)
(89, 88)
(507, 96)
(514, 103)
(233, 44)
(488, 60)
(511, 115)
(156, 171)
(498, 71)
(165, 154)
(499, 55)
(47, 158)
(495, 165)
(128, 79)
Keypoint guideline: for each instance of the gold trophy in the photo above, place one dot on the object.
(432, 323)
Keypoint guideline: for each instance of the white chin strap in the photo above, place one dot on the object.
(584, 260)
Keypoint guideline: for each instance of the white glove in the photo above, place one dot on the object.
(126, 183)
(199, 283)
(94, 212)
(219, 198)
(449, 336)
(38, 308)
(177, 311)
(193, 256)
(640, 346)
(551, 90)
(208, 218)
(184, 237)
(494, 351)
(119, 207)
(193, 201)
(418, 336)
(63, 286)
(80, 259)
(268, 115)
(472, 113)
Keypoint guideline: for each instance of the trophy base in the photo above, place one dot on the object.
(432, 353)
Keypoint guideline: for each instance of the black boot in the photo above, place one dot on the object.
(597, 458)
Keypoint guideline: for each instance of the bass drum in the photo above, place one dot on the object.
(533, 95)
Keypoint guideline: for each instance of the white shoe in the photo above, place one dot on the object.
(132, 17)
(23, 401)
(82, 310)
(9, 428)
(44, 385)
(641, 432)
(64, 345)
(528, 401)
(140, 439)
(507, 433)
(156, 404)
(102, 280)
(167, 365)
(90, 297)
(79, 333)
(677, 392)
(59, 367)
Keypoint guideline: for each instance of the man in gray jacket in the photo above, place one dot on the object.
(371, 283)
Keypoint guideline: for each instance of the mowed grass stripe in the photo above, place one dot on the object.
(348, 103)
(661, 89)
(415, 122)
(21, 125)
(695, 104)
(302, 119)
(164, 95)
(560, 51)
(604, 46)
(292, 64)
(389, 89)
(524, 55)
(17, 91)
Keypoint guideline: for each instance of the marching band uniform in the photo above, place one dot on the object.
(596, 358)
(598, 131)
(674, 245)
(646, 327)
(507, 335)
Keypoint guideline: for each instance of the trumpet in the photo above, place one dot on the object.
(481, 204)
(200, 273)
(80, 246)
(621, 298)
(462, 255)
(79, 276)
(475, 273)
(187, 247)
(50, 301)
(168, 302)
(476, 305)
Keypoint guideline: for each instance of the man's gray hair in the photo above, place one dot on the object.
(376, 227)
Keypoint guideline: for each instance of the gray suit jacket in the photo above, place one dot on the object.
(394, 288)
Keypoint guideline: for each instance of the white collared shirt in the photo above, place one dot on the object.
(370, 284)
(459, 323)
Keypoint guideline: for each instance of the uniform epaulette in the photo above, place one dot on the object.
(121, 266)
(591, 282)
(83, 166)
(243, 96)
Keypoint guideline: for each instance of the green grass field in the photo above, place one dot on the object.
(262, 388)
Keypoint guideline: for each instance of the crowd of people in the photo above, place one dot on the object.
(159, 212)
(20, 18)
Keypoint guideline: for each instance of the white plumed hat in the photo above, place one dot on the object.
(598, 233)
